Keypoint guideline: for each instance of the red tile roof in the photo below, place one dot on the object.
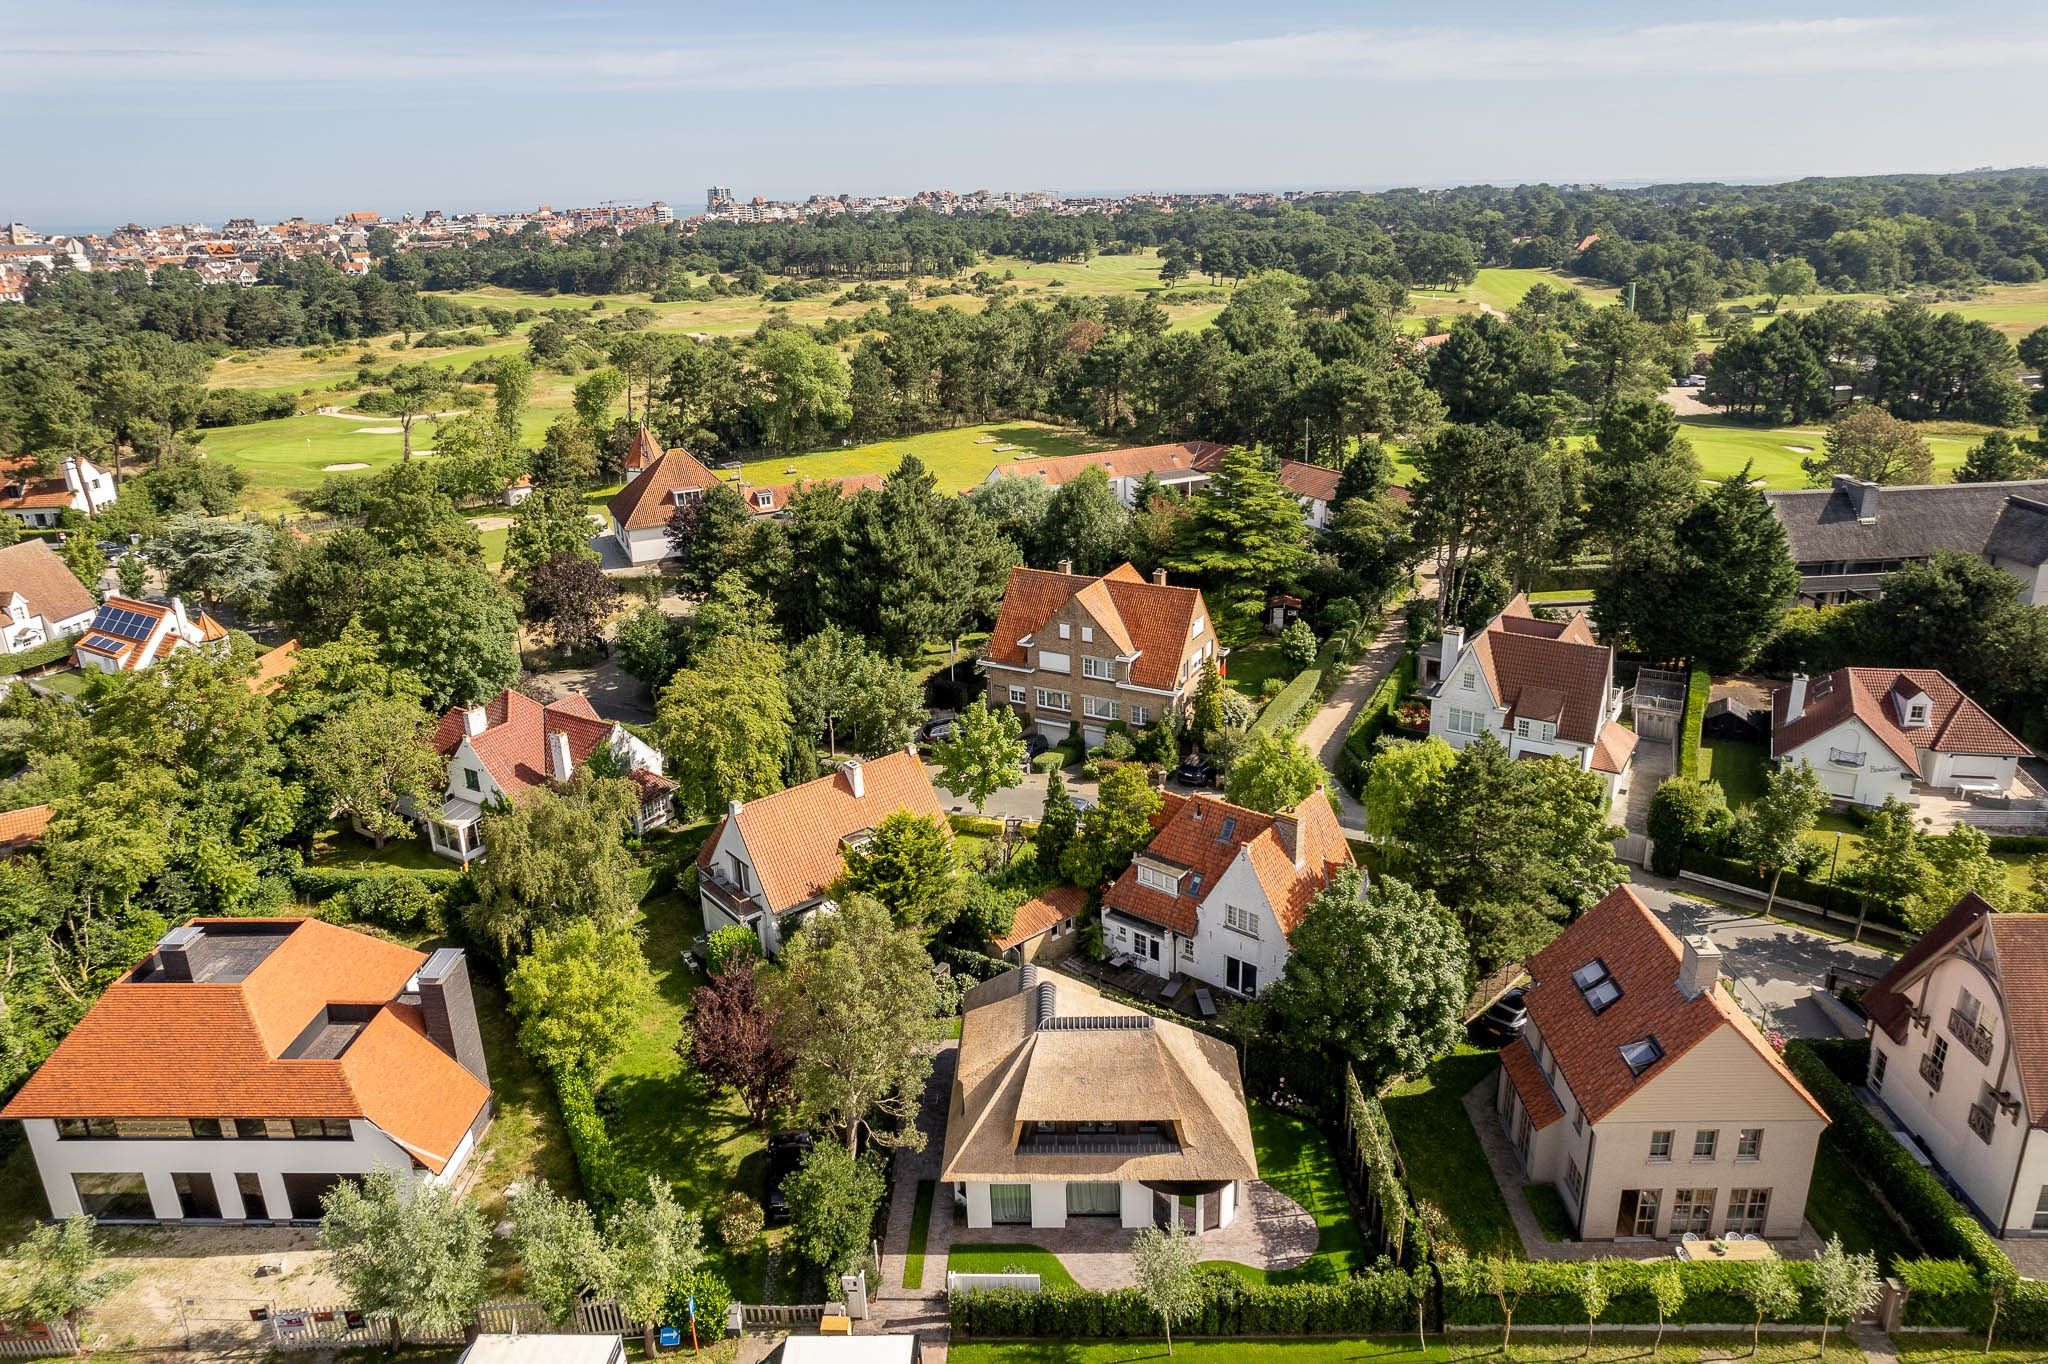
(1189, 832)
(1547, 670)
(272, 667)
(780, 493)
(649, 499)
(1134, 462)
(1154, 619)
(1956, 724)
(1037, 915)
(793, 835)
(32, 570)
(24, 825)
(513, 746)
(1310, 480)
(643, 452)
(1527, 1078)
(1643, 957)
(164, 1049)
(1885, 1003)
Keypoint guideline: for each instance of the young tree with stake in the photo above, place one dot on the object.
(1164, 1260)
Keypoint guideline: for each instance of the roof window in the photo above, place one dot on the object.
(1641, 1054)
(1229, 829)
(1598, 987)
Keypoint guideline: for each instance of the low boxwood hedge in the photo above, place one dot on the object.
(1370, 1304)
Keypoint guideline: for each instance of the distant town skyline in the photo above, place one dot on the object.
(204, 110)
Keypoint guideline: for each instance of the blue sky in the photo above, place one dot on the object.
(199, 110)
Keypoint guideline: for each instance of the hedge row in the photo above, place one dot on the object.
(1372, 1304)
(1940, 1224)
(1791, 886)
(1372, 1143)
(1713, 1293)
(1282, 711)
(1699, 685)
(2024, 844)
(55, 651)
(317, 883)
(1374, 719)
(606, 1180)
(969, 963)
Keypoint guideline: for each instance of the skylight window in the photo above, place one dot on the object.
(1598, 987)
(1641, 1054)
(1229, 828)
(1194, 883)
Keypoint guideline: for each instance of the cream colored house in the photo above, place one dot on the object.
(1959, 1055)
(1068, 1105)
(1642, 1092)
(1876, 733)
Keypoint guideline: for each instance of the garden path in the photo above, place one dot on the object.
(1327, 729)
(920, 1311)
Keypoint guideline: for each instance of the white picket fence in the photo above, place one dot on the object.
(38, 1340)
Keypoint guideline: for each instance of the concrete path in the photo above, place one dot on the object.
(1329, 727)
(1877, 1347)
(919, 1311)
(1654, 761)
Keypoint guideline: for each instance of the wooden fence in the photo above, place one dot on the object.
(39, 1340)
(321, 1328)
(772, 1316)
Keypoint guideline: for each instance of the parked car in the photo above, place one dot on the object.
(786, 1151)
(1195, 770)
(933, 730)
(1035, 744)
(1505, 1019)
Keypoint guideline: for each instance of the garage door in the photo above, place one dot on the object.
(1093, 735)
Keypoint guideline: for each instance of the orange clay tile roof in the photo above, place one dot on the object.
(643, 452)
(514, 744)
(792, 836)
(1545, 670)
(1617, 745)
(649, 500)
(1885, 1003)
(1189, 832)
(1154, 619)
(271, 667)
(780, 493)
(25, 825)
(1527, 1078)
(1135, 462)
(1309, 480)
(32, 570)
(1041, 912)
(1956, 724)
(1643, 957)
(164, 1049)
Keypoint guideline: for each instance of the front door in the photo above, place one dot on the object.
(197, 1197)
(1638, 1215)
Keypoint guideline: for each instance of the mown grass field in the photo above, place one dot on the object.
(1774, 452)
(958, 457)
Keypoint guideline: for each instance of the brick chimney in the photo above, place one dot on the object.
(1066, 566)
(450, 1012)
(560, 766)
(1287, 828)
(1700, 968)
(1159, 577)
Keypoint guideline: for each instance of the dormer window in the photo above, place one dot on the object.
(764, 499)
(1641, 1054)
(1598, 988)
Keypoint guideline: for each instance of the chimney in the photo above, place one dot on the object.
(1453, 645)
(1700, 968)
(1066, 565)
(475, 720)
(174, 951)
(1287, 828)
(1795, 698)
(855, 779)
(75, 481)
(1862, 496)
(1159, 577)
(732, 809)
(449, 1011)
(559, 765)
(178, 612)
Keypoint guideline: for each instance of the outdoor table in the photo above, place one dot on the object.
(1706, 1252)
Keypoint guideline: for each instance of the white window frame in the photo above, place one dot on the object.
(1749, 1143)
(1710, 1138)
(1469, 723)
(1243, 921)
(1087, 634)
(1046, 701)
(1140, 716)
(1152, 878)
(1664, 1137)
(1018, 694)
(1066, 631)
(1098, 667)
(1095, 708)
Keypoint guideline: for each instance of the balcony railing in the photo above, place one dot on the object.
(1980, 1122)
(1972, 1035)
(1097, 1144)
(1842, 757)
(729, 897)
(1930, 1071)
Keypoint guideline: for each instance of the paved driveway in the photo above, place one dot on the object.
(1773, 964)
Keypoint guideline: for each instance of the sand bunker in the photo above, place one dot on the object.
(340, 468)
(1800, 449)
(379, 430)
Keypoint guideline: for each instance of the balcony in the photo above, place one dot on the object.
(719, 888)
(1930, 1071)
(1980, 1122)
(1974, 1036)
(1842, 757)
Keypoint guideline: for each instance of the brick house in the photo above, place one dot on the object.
(1071, 649)
(246, 1066)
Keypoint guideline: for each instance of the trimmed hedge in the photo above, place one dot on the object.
(1699, 685)
(1944, 1293)
(1713, 1293)
(1371, 1304)
(318, 883)
(976, 826)
(1791, 886)
(978, 965)
(1372, 1146)
(1287, 706)
(2025, 844)
(1375, 718)
(1847, 1057)
(606, 1180)
(54, 651)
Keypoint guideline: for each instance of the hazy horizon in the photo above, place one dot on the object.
(203, 111)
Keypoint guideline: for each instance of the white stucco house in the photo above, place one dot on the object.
(41, 600)
(1066, 1106)
(499, 751)
(772, 860)
(1959, 1058)
(1874, 733)
(638, 514)
(40, 500)
(1219, 888)
(246, 1066)
(1542, 687)
(127, 634)
(1183, 467)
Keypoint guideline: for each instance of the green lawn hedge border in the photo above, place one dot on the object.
(606, 1180)
(1375, 718)
(1791, 886)
(1713, 1293)
(1699, 685)
(1374, 1164)
(1372, 1304)
(1284, 709)
(55, 651)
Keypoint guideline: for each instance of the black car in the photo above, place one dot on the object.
(1195, 771)
(785, 1153)
(1035, 744)
(1505, 1019)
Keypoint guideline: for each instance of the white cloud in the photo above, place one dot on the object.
(61, 57)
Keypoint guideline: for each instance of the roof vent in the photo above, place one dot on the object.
(1102, 1023)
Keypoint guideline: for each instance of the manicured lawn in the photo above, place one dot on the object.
(1249, 665)
(1774, 453)
(958, 458)
(1531, 1346)
(1839, 1203)
(1504, 288)
(1010, 1259)
(920, 1229)
(1445, 1162)
(1295, 1159)
(1739, 768)
(339, 848)
(1961, 1349)
(1549, 1209)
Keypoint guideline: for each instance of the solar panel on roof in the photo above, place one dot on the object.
(103, 643)
(115, 620)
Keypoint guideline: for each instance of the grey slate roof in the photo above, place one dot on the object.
(1915, 521)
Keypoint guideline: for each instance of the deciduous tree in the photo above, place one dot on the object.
(732, 1039)
(416, 1253)
(1166, 1263)
(371, 760)
(569, 599)
(832, 1200)
(560, 1251)
(1869, 443)
(1114, 829)
(724, 725)
(53, 1273)
(556, 855)
(577, 994)
(1780, 818)
(983, 755)
(1273, 773)
(450, 625)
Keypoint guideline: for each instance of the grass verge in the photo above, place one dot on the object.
(1530, 1348)
(920, 1228)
